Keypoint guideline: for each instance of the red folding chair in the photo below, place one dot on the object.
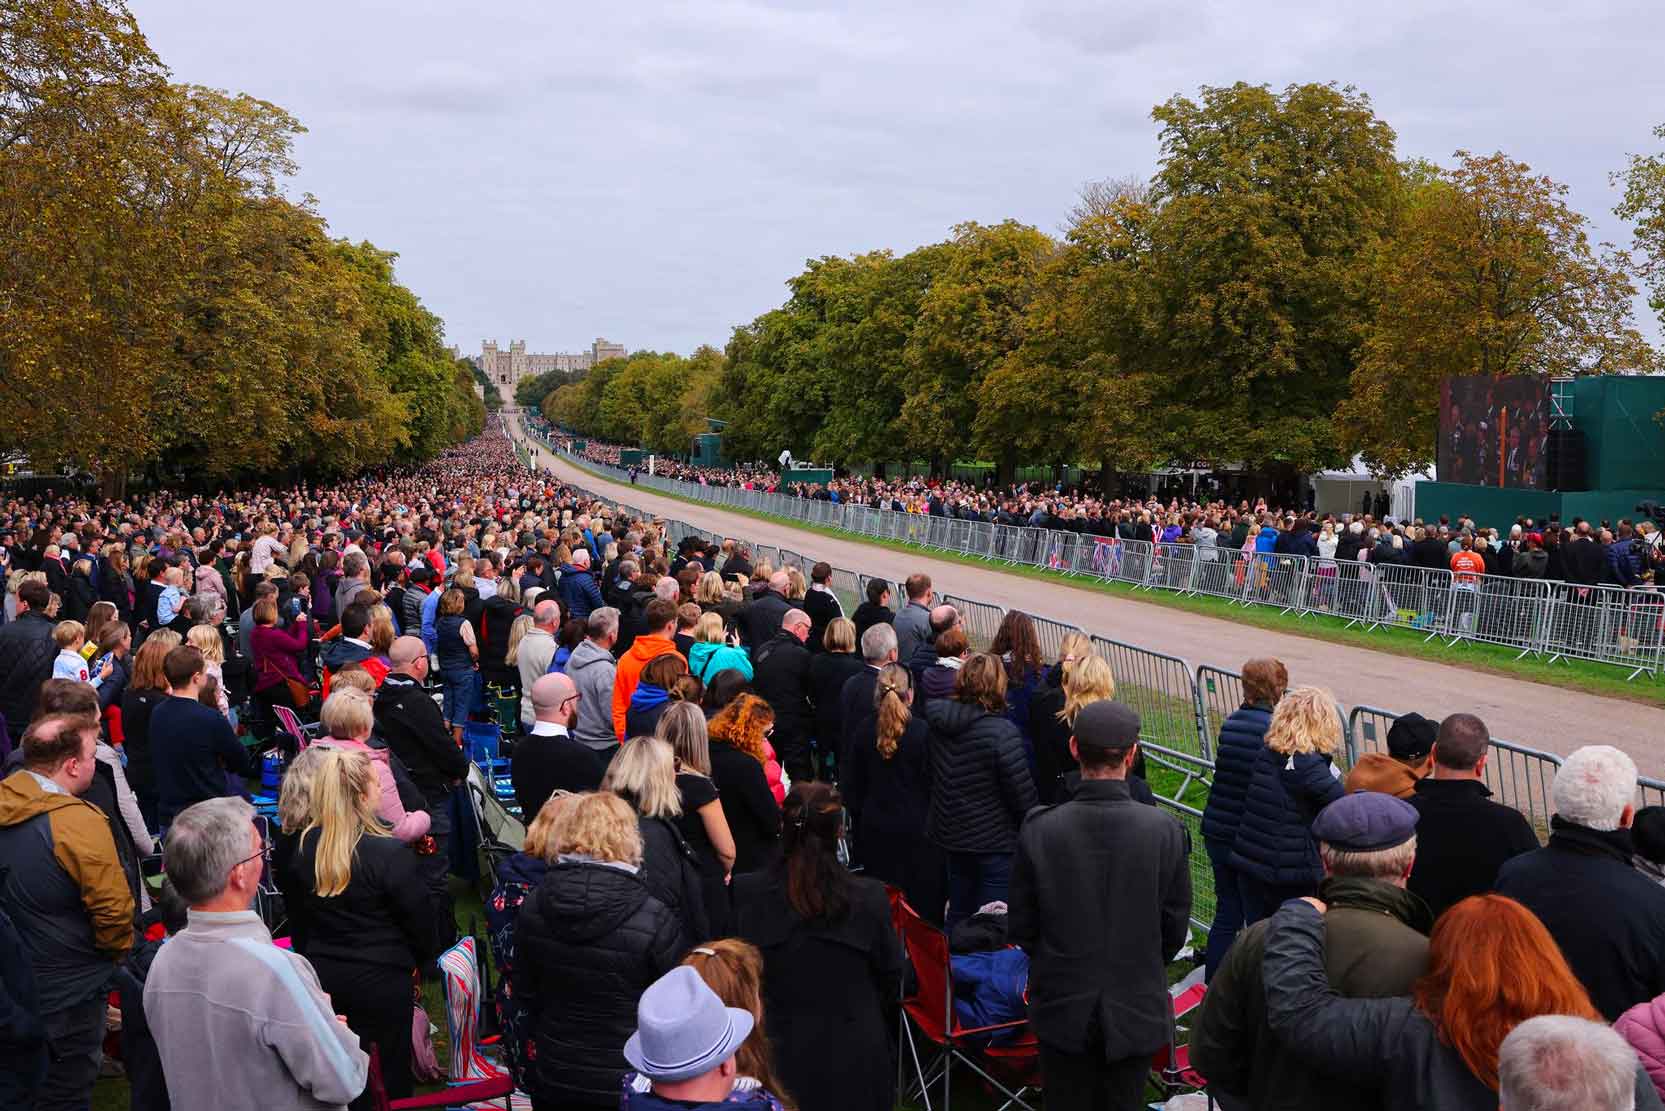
(933, 1040)
(1171, 1069)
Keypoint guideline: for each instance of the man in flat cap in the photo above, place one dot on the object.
(1100, 899)
(1375, 946)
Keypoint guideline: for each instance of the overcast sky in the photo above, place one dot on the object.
(654, 172)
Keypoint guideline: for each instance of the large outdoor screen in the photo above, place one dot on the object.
(1494, 431)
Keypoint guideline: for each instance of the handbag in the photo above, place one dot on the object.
(300, 695)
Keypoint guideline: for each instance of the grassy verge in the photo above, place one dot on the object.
(1580, 675)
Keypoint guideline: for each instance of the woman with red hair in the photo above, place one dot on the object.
(1491, 966)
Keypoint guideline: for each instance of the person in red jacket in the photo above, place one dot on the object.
(660, 620)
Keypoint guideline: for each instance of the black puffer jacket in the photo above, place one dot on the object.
(980, 783)
(1274, 840)
(1242, 736)
(26, 654)
(589, 942)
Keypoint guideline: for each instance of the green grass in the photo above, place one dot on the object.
(1580, 675)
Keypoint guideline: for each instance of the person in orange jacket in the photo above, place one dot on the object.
(660, 620)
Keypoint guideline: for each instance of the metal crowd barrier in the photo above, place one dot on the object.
(1051, 634)
(1609, 625)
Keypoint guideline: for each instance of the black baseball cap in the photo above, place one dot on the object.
(1107, 725)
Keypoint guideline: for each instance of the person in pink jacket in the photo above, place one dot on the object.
(1643, 1026)
(348, 720)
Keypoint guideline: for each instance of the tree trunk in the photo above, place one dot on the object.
(1005, 467)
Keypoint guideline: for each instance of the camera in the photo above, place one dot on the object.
(1651, 509)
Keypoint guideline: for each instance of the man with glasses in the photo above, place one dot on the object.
(549, 758)
(239, 1022)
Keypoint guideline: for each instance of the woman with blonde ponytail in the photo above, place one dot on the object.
(360, 909)
(888, 790)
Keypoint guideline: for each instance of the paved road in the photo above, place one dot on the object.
(1529, 713)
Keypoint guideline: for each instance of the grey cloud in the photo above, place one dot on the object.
(656, 171)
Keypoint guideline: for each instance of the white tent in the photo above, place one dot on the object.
(1342, 491)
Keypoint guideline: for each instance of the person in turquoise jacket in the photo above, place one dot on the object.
(713, 651)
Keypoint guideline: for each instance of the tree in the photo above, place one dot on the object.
(1076, 387)
(1491, 273)
(161, 302)
(968, 322)
(1269, 210)
(1644, 204)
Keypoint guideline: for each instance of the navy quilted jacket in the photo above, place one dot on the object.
(1274, 839)
(1242, 736)
(980, 783)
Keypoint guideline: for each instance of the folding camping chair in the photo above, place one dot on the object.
(933, 1040)
(291, 724)
(499, 835)
(1171, 1069)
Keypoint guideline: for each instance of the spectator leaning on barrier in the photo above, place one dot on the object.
(1242, 736)
(1607, 918)
(1100, 927)
(1375, 946)
(238, 1021)
(1294, 777)
(1410, 741)
(1463, 838)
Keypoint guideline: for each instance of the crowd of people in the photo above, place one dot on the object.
(1622, 553)
(737, 798)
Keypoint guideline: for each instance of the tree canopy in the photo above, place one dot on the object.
(163, 303)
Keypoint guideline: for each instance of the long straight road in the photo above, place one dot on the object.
(1533, 714)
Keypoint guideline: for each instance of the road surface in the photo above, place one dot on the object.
(1534, 714)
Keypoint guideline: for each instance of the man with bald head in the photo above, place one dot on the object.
(761, 619)
(549, 759)
(415, 730)
(780, 673)
(537, 649)
(941, 619)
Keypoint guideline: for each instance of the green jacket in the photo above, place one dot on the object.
(1375, 947)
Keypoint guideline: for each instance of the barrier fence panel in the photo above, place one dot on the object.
(1651, 791)
(1219, 695)
(1367, 729)
(1608, 624)
(1500, 610)
(1202, 873)
(851, 590)
(1521, 777)
(981, 620)
(1220, 573)
(766, 553)
(1135, 564)
(1276, 580)
(1098, 556)
(1055, 550)
(1416, 598)
(1342, 588)
(1051, 634)
(1175, 567)
(1163, 690)
(979, 538)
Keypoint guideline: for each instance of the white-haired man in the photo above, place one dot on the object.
(1563, 1063)
(577, 586)
(239, 1022)
(537, 649)
(1608, 919)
